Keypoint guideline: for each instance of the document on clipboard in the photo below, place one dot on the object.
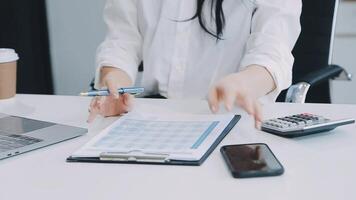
(157, 139)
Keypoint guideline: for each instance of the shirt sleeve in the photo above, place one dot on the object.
(122, 47)
(274, 31)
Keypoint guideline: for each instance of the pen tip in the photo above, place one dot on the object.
(83, 94)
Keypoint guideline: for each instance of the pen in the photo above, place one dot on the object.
(105, 92)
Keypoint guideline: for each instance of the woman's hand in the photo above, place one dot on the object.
(244, 89)
(115, 104)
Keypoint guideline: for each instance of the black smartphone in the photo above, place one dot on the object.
(251, 160)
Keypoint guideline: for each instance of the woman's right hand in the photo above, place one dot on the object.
(115, 104)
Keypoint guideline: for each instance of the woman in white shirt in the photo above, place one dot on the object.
(228, 51)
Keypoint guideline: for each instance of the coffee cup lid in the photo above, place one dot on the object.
(8, 55)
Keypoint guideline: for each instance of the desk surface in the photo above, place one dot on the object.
(316, 167)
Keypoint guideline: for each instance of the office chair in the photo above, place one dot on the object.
(313, 66)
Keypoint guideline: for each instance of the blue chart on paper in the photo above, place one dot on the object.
(157, 135)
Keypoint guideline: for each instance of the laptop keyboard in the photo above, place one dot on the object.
(11, 142)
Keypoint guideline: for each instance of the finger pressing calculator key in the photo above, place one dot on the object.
(302, 125)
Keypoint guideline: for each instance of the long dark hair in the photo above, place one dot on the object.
(217, 12)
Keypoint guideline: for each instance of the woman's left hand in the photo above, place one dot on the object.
(235, 89)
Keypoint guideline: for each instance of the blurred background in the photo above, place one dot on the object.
(57, 40)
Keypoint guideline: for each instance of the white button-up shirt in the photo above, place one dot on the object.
(183, 61)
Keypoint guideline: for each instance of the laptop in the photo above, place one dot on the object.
(19, 135)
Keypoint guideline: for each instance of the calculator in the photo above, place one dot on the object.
(301, 125)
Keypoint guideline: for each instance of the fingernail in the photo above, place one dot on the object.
(214, 109)
(258, 125)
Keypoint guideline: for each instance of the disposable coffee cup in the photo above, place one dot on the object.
(8, 68)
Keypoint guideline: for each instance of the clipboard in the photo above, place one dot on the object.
(155, 158)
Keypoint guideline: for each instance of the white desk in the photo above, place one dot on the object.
(322, 167)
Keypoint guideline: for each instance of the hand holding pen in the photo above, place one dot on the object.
(116, 99)
(106, 92)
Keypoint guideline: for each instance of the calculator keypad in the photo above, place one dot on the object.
(294, 122)
(302, 125)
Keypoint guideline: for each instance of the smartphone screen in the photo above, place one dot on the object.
(251, 160)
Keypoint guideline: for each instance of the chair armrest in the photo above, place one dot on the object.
(321, 75)
(325, 74)
(297, 93)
